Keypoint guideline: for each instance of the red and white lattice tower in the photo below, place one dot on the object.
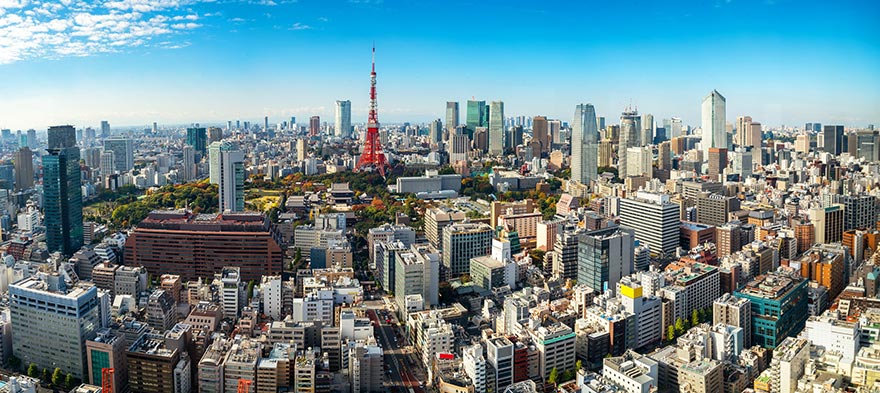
(372, 156)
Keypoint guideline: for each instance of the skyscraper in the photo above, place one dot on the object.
(24, 169)
(62, 192)
(540, 133)
(226, 163)
(629, 137)
(748, 132)
(188, 167)
(647, 131)
(32, 138)
(105, 129)
(451, 116)
(833, 139)
(714, 126)
(197, 137)
(123, 153)
(496, 128)
(343, 119)
(314, 125)
(717, 162)
(584, 144)
(476, 115)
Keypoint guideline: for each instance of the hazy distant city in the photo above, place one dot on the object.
(186, 206)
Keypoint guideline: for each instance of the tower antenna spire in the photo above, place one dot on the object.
(372, 156)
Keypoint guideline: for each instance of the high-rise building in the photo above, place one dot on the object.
(476, 115)
(779, 306)
(496, 128)
(438, 218)
(584, 144)
(107, 350)
(664, 156)
(604, 257)
(646, 134)
(62, 192)
(859, 211)
(123, 153)
(105, 129)
(343, 119)
(215, 134)
(197, 137)
(188, 167)
(713, 209)
(639, 161)
(605, 154)
(832, 137)
(24, 169)
(828, 222)
(227, 169)
(452, 116)
(314, 125)
(52, 322)
(540, 133)
(182, 243)
(734, 311)
(717, 162)
(748, 133)
(654, 220)
(629, 137)
(714, 125)
(461, 242)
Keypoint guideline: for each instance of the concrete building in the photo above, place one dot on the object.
(779, 306)
(714, 209)
(654, 220)
(828, 223)
(417, 272)
(461, 242)
(475, 366)
(51, 322)
(584, 144)
(107, 349)
(632, 372)
(714, 124)
(834, 335)
(604, 257)
(438, 218)
(734, 311)
(556, 346)
(153, 365)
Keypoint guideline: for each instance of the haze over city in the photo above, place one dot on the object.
(134, 62)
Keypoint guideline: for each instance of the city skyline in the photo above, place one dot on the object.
(179, 62)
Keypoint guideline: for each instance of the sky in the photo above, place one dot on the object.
(133, 62)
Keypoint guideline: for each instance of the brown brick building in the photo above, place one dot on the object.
(200, 245)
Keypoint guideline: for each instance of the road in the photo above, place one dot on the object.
(402, 362)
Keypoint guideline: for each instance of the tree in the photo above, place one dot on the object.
(70, 381)
(46, 376)
(33, 371)
(554, 375)
(578, 365)
(250, 289)
(670, 333)
(57, 377)
(695, 318)
(14, 362)
(679, 327)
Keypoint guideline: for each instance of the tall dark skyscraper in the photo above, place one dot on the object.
(24, 169)
(477, 115)
(197, 137)
(833, 139)
(62, 192)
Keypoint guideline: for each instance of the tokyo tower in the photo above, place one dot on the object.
(372, 156)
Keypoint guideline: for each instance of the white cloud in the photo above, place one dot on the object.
(55, 29)
(300, 26)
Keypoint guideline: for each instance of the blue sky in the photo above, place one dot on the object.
(179, 61)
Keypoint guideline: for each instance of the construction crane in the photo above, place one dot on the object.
(107, 380)
(244, 385)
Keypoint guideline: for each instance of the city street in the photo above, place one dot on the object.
(406, 373)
